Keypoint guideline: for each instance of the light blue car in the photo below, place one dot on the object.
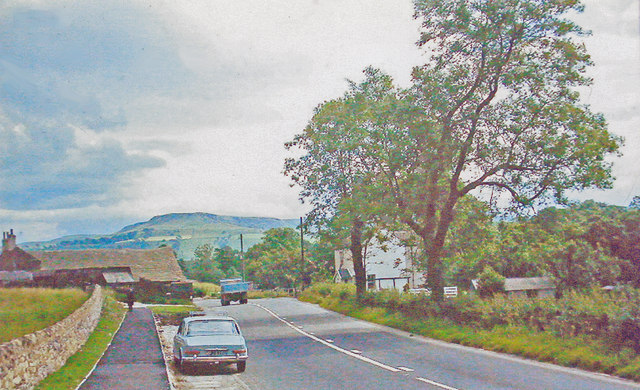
(209, 340)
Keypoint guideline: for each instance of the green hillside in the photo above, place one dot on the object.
(182, 231)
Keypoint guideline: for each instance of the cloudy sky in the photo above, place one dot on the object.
(114, 111)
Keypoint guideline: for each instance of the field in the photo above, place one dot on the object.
(26, 310)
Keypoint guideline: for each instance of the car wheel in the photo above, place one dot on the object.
(243, 301)
(241, 366)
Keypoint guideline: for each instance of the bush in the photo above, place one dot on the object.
(593, 330)
(490, 282)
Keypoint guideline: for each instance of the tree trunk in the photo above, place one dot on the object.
(356, 255)
(433, 249)
(435, 280)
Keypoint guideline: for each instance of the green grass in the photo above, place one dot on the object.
(26, 310)
(79, 365)
(207, 289)
(213, 290)
(259, 294)
(579, 351)
(172, 315)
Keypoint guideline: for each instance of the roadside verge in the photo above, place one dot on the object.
(80, 365)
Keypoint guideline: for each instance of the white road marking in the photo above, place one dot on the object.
(356, 351)
(406, 369)
(329, 340)
(440, 385)
(328, 344)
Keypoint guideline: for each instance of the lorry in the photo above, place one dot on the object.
(233, 290)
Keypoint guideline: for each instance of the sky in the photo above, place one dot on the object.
(114, 111)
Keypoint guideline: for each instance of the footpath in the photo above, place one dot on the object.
(134, 358)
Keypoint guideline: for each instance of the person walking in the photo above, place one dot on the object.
(131, 297)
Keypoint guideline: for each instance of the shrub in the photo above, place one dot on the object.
(490, 282)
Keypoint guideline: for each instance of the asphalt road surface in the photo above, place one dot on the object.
(295, 345)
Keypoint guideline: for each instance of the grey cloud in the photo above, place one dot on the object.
(76, 67)
(43, 168)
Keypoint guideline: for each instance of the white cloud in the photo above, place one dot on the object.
(208, 91)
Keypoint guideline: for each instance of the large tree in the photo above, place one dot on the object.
(334, 172)
(499, 116)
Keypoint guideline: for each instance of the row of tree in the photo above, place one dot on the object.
(277, 261)
(492, 114)
(582, 245)
(585, 244)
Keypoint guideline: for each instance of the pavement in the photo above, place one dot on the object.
(133, 360)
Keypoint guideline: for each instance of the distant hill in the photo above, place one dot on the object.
(182, 231)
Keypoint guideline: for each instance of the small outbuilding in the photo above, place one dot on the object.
(527, 287)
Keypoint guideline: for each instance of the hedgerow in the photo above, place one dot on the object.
(595, 330)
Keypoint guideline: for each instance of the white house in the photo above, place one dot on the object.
(388, 264)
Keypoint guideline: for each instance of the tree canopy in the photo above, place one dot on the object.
(494, 112)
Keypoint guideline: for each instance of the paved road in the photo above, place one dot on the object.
(294, 345)
(134, 359)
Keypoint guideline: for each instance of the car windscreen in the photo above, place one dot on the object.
(211, 327)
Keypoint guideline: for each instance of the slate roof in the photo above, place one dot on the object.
(520, 284)
(158, 265)
(17, 259)
(117, 277)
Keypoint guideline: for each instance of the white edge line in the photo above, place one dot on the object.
(344, 351)
(103, 352)
(440, 385)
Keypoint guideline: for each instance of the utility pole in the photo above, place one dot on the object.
(242, 256)
(301, 244)
(301, 253)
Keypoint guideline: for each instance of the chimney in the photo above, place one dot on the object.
(8, 241)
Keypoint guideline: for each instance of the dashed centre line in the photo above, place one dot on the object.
(440, 385)
(354, 353)
(328, 344)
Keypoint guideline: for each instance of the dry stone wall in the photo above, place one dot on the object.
(27, 360)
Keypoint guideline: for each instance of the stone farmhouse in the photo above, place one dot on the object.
(155, 271)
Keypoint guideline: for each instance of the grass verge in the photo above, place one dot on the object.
(579, 351)
(259, 294)
(78, 366)
(172, 315)
(38, 308)
(204, 289)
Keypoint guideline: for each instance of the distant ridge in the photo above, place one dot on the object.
(184, 232)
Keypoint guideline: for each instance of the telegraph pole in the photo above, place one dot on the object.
(242, 256)
(301, 254)
(301, 244)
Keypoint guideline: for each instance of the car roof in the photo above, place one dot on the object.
(208, 318)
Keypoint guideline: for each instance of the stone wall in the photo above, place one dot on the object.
(27, 360)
